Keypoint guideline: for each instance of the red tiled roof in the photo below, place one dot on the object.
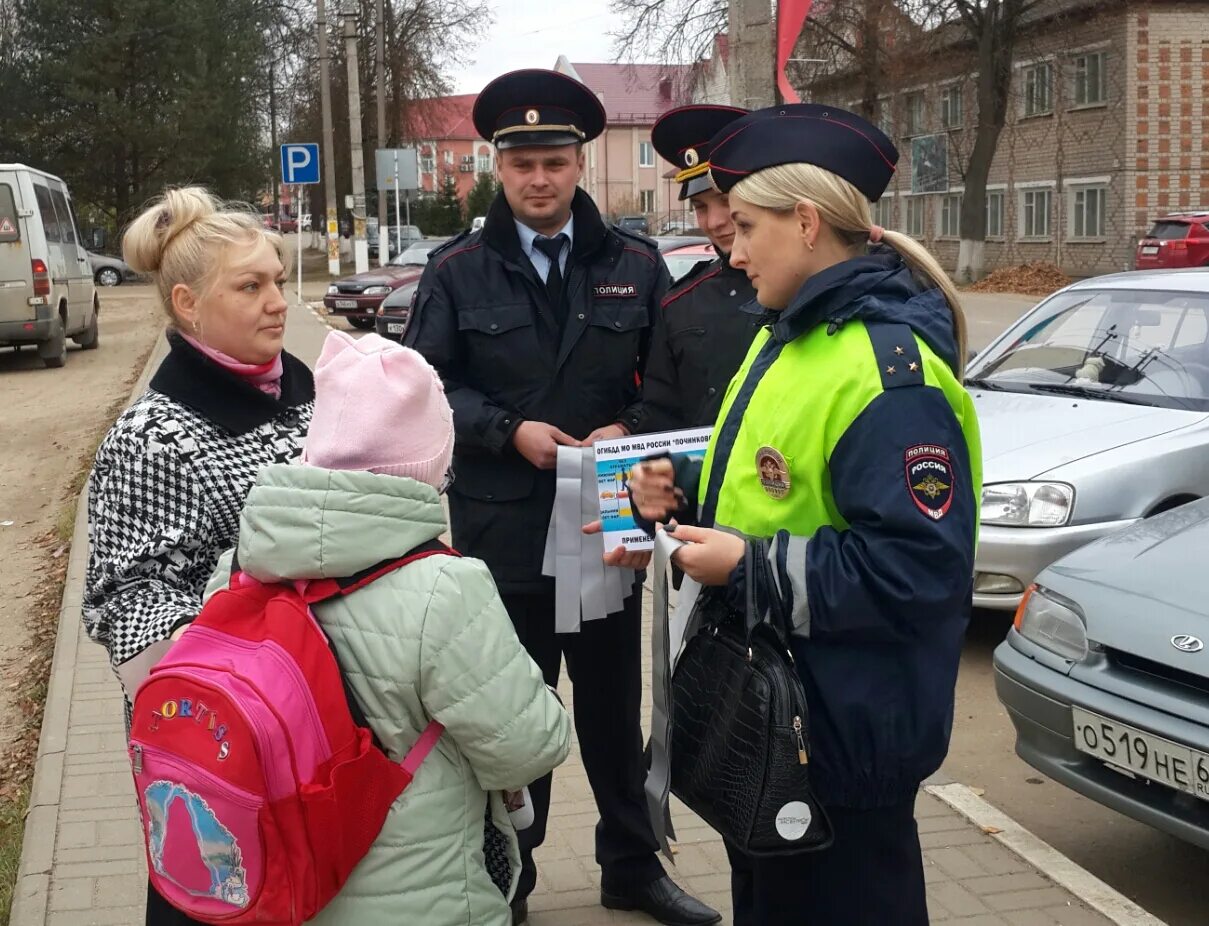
(443, 117)
(637, 92)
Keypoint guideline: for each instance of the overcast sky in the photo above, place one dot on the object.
(533, 33)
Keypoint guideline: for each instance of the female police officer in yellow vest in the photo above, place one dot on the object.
(847, 452)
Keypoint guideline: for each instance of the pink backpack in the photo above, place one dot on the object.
(259, 785)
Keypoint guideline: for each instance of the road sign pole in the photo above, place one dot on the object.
(298, 234)
(398, 230)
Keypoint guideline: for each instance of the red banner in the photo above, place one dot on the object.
(791, 15)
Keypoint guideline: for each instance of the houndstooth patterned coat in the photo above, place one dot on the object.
(167, 487)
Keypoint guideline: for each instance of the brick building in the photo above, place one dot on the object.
(1107, 127)
(623, 174)
(442, 128)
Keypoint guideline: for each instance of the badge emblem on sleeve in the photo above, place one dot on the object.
(930, 479)
(773, 472)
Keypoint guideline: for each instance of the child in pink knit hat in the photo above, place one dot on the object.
(379, 407)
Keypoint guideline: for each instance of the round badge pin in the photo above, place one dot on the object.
(773, 472)
(691, 157)
(531, 117)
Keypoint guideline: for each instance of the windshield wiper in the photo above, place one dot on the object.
(1086, 392)
(987, 384)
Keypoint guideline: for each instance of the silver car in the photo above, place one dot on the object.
(1105, 674)
(1094, 410)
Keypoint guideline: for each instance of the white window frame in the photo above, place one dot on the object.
(646, 201)
(646, 154)
(1000, 194)
(1024, 191)
(948, 224)
(1077, 83)
(428, 164)
(948, 94)
(1028, 71)
(914, 126)
(882, 211)
(1078, 215)
(482, 162)
(913, 208)
(449, 157)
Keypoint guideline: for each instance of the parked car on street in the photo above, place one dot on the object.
(636, 223)
(1094, 409)
(110, 271)
(1176, 241)
(47, 293)
(358, 297)
(680, 260)
(1105, 674)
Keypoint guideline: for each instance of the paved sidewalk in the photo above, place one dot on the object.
(83, 863)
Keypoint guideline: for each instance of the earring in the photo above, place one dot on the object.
(810, 246)
(197, 327)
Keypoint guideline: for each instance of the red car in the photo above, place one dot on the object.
(1177, 240)
(357, 297)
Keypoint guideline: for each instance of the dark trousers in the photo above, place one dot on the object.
(604, 661)
(873, 873)
(162, 913)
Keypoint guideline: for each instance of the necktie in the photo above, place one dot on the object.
(552, 248)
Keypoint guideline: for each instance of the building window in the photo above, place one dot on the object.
(1034, 213)
(428, 165)
(995, 215)
(951, 115)
(448, 158)
(1087, 212)
(914, 106)
(1091, 84)
(646, 201)
(1039, 89)
(483, 165)
(883, 212)
(913, 216)
(950, 215)
(646, 154)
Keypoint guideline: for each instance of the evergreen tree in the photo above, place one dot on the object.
(479, 200)
(448, 210)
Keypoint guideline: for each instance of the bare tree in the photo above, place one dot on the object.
(669, 31)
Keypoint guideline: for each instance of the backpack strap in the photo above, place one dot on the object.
(325, 589)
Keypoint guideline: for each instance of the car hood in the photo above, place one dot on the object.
(384, 276)
(1024, 436)
(1140, 586)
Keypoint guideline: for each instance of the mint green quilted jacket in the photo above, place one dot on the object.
(429, 641)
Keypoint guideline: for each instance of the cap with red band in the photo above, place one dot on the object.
(833, 139)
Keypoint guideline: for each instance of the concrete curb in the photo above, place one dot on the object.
(31, 894)
(1042, 856)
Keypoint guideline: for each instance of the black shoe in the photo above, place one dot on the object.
(665, 903)
(520, 911)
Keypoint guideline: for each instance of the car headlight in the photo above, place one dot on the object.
(1053, 624)
(1027, 504)
(333, 289)
(377, 290)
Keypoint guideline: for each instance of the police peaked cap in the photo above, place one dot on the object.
(537, 107)
(682, 137)
(833, 139)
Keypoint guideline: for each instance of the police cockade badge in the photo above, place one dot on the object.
(691, 157)
(773, 472)
(531, 117)
(930, 479)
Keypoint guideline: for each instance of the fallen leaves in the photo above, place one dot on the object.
(1039, 278)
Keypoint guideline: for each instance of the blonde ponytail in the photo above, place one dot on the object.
(180, 237)
(847, 211)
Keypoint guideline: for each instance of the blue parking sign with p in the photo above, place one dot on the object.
(300, 163)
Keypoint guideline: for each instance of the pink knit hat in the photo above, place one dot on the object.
(379, 407)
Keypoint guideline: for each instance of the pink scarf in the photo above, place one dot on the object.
(264, 376)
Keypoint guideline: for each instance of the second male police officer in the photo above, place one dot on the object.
(704, 331)
(539, 324)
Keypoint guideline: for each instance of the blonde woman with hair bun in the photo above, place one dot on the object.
(170, 477)
(847, 454)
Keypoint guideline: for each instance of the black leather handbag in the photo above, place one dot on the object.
(739, 743)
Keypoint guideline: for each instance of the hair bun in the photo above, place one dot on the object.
(150, 235)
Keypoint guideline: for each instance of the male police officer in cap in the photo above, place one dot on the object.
(703, 332)
(539, 324)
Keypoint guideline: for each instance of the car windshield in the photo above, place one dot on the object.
(414, 256)
(680, 264)
(1138, 346)
(1169, 231)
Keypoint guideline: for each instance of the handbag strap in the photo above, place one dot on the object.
(763, 601)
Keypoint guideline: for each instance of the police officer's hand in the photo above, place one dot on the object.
(609, 432)
(709, 556)
(620, 556)
(538, 443)
(653, 490)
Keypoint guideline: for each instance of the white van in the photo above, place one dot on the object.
(47, 294)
